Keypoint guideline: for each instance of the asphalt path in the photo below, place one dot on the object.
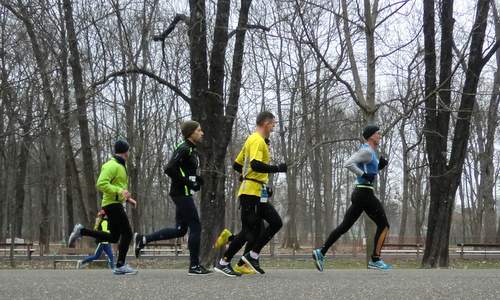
(275, 284)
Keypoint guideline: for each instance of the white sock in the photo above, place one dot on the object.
(254, 255)
(144, 240)
(222, 262)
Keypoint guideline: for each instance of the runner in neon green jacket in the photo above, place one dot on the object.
(112, 182)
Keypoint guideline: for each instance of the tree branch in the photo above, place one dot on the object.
(249, 26)
(333, 70)
(490, 53)
(301, 159)
(171, 27)
(136, 70)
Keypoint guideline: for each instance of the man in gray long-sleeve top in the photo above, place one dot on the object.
(365, 164)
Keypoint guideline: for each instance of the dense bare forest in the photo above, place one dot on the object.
(77, 75)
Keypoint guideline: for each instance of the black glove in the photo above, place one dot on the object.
(282, 168)
(200, 180)
(368, 177)
(269, 191)
(382, 163)
(194, 186)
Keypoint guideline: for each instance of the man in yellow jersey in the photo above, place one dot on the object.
(253, 163)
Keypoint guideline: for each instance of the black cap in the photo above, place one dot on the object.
(369, 131)
(121, 146)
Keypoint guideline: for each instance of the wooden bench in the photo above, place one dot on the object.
(74, 261)
(65, 252)
(484, 248)
(25, 247)
(403, 248)
(163, 247)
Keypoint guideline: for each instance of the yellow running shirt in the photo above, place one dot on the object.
(255, 147)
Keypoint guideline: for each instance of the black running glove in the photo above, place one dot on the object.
(194, 186)
(200, 180)
(368, 177)
(382, 163)
(270, 191)
(282, 168)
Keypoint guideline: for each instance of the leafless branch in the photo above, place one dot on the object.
(250, 26)
(136, 70)
(171, 27)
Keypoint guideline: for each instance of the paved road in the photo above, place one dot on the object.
(276, 284)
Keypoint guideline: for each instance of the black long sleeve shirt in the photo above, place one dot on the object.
(183, 164)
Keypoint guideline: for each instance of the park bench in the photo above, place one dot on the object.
(160, 248)
(484, 249)
(408, 248)
(69, 255)
(26, 248)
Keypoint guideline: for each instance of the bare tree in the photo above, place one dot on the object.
(81, 102)
(445, 173)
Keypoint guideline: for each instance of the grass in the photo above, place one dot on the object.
(278, 263)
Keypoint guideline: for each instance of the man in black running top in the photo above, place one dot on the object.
(183, 169)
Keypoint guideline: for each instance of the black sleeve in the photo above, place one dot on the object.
(237, 167)
(261, 167)
(173, 167)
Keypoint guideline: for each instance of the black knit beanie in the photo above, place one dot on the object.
(369, 131)
(121, 146)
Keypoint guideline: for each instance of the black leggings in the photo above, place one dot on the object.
(362, 199)
(253, 213)
(186, 216)
(119, 228)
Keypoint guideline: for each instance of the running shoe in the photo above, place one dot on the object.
(244, 269)
(252, 263)
(379, 265)
(198, 270)
(75, 234)
(226, 270)
(138, 244)
(319, 259)
(125, 270)
(223, 238)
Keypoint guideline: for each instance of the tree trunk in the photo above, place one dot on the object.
(71, 180)
(74, 61)
(207, 107)
(406, 186)
(290, 239)
(328, 193)
(22, 164)
(48, 164)
(444, 178)
(318, 158)
(487, 184)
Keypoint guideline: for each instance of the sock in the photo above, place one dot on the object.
(119, 264)
(375, 258)
(144, 241)
(254, 255)
(222, 262)
(323, 251)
